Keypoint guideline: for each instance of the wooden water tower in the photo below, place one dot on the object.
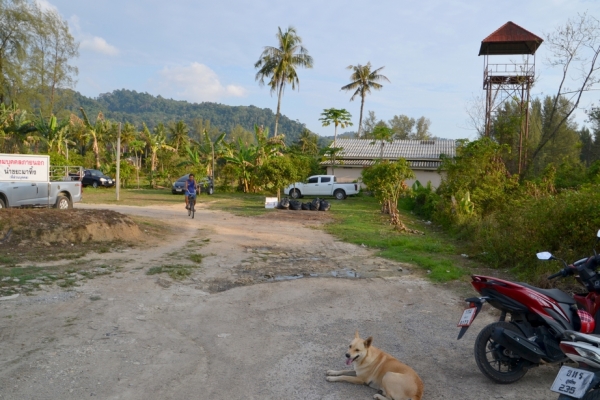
(509, 80)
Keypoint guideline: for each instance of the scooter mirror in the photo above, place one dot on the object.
(544, 255)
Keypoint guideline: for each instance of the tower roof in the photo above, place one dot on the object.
(510, 38)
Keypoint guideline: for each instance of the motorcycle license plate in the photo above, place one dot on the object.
(572, 381)
(467, 317)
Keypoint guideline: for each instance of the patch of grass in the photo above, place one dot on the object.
(359, 220)
(197, 258)
(131, 197)
(175, 271)
(241, 204)
(7, 260)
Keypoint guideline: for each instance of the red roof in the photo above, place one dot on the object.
(510, 38)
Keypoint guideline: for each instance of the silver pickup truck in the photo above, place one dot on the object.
(29, 181)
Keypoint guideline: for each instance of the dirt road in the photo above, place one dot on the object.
(272, 307)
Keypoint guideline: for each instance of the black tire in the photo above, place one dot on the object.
(295, 194)
(2, 204)
(63, 203)
(492, 361)
(339, 194)
(593, 395)
(94, 184)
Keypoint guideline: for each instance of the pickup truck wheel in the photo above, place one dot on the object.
(63, 203)
(95, 184)
(2, 205)
(339, 194)
(295, 194)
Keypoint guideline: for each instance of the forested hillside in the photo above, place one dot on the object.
(136, 108)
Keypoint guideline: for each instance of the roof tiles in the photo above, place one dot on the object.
(411, 150)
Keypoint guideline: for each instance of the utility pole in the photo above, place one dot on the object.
(118, 160)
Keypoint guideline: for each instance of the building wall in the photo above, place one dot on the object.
(351, 174)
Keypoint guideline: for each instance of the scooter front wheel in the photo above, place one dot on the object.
(494, 360)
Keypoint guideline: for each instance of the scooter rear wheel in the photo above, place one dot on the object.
(492, 359)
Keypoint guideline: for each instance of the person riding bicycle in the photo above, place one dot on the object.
(190, 190)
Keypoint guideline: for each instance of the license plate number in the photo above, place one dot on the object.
(572, 381)
(467, 317)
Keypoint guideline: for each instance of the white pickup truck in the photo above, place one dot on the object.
(322, 185)
(29, 181)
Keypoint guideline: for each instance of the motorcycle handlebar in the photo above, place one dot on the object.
(559, 273)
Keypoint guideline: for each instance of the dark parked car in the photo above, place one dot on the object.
(205, 185)
(95, 178)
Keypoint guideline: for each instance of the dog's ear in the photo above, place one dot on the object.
(356, 335)
(368, 341)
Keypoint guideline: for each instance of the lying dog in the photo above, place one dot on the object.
(379, 370)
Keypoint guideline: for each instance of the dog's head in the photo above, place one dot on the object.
(358, 349)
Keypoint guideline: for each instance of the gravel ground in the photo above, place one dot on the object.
(131, 336)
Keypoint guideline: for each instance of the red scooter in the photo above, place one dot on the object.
(506, 349)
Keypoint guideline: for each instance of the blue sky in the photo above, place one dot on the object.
(205, 51)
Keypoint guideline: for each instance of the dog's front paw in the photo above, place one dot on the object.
(330, 378)
(331, 372)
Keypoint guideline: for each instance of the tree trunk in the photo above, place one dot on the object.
(278, 108)
(362, 104)
(96, 152)
(334, 147)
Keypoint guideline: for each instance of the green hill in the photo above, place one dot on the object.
(133, 107)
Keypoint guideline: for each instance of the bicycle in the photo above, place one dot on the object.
(192, 205)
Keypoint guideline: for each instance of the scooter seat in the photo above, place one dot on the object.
(583, 337)
(555, 294)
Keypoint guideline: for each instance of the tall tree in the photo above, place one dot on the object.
(95, 133)
(363, 80)
(337, 117)
(308, 142)
(278, 64)
(179, 135)
(574, 48)
(402, 126)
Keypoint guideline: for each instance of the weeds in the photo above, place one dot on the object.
(176, 271)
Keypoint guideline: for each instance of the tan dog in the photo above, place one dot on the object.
(379, 370)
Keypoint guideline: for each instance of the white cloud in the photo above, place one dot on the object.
(195, 83)
(98, 45)
(45, 5)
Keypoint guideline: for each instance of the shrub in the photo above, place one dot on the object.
(564, 224)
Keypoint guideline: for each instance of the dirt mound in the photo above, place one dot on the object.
(41, 227)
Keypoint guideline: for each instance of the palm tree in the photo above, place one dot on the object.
(156, 140)
(308, 142)
(363, 80)
(179, 135)
(382, 133)
(96, 132)
(279, 64)
(242, 159)
(337, 117)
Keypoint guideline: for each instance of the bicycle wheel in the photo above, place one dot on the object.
(193, 207)
(189, 207)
